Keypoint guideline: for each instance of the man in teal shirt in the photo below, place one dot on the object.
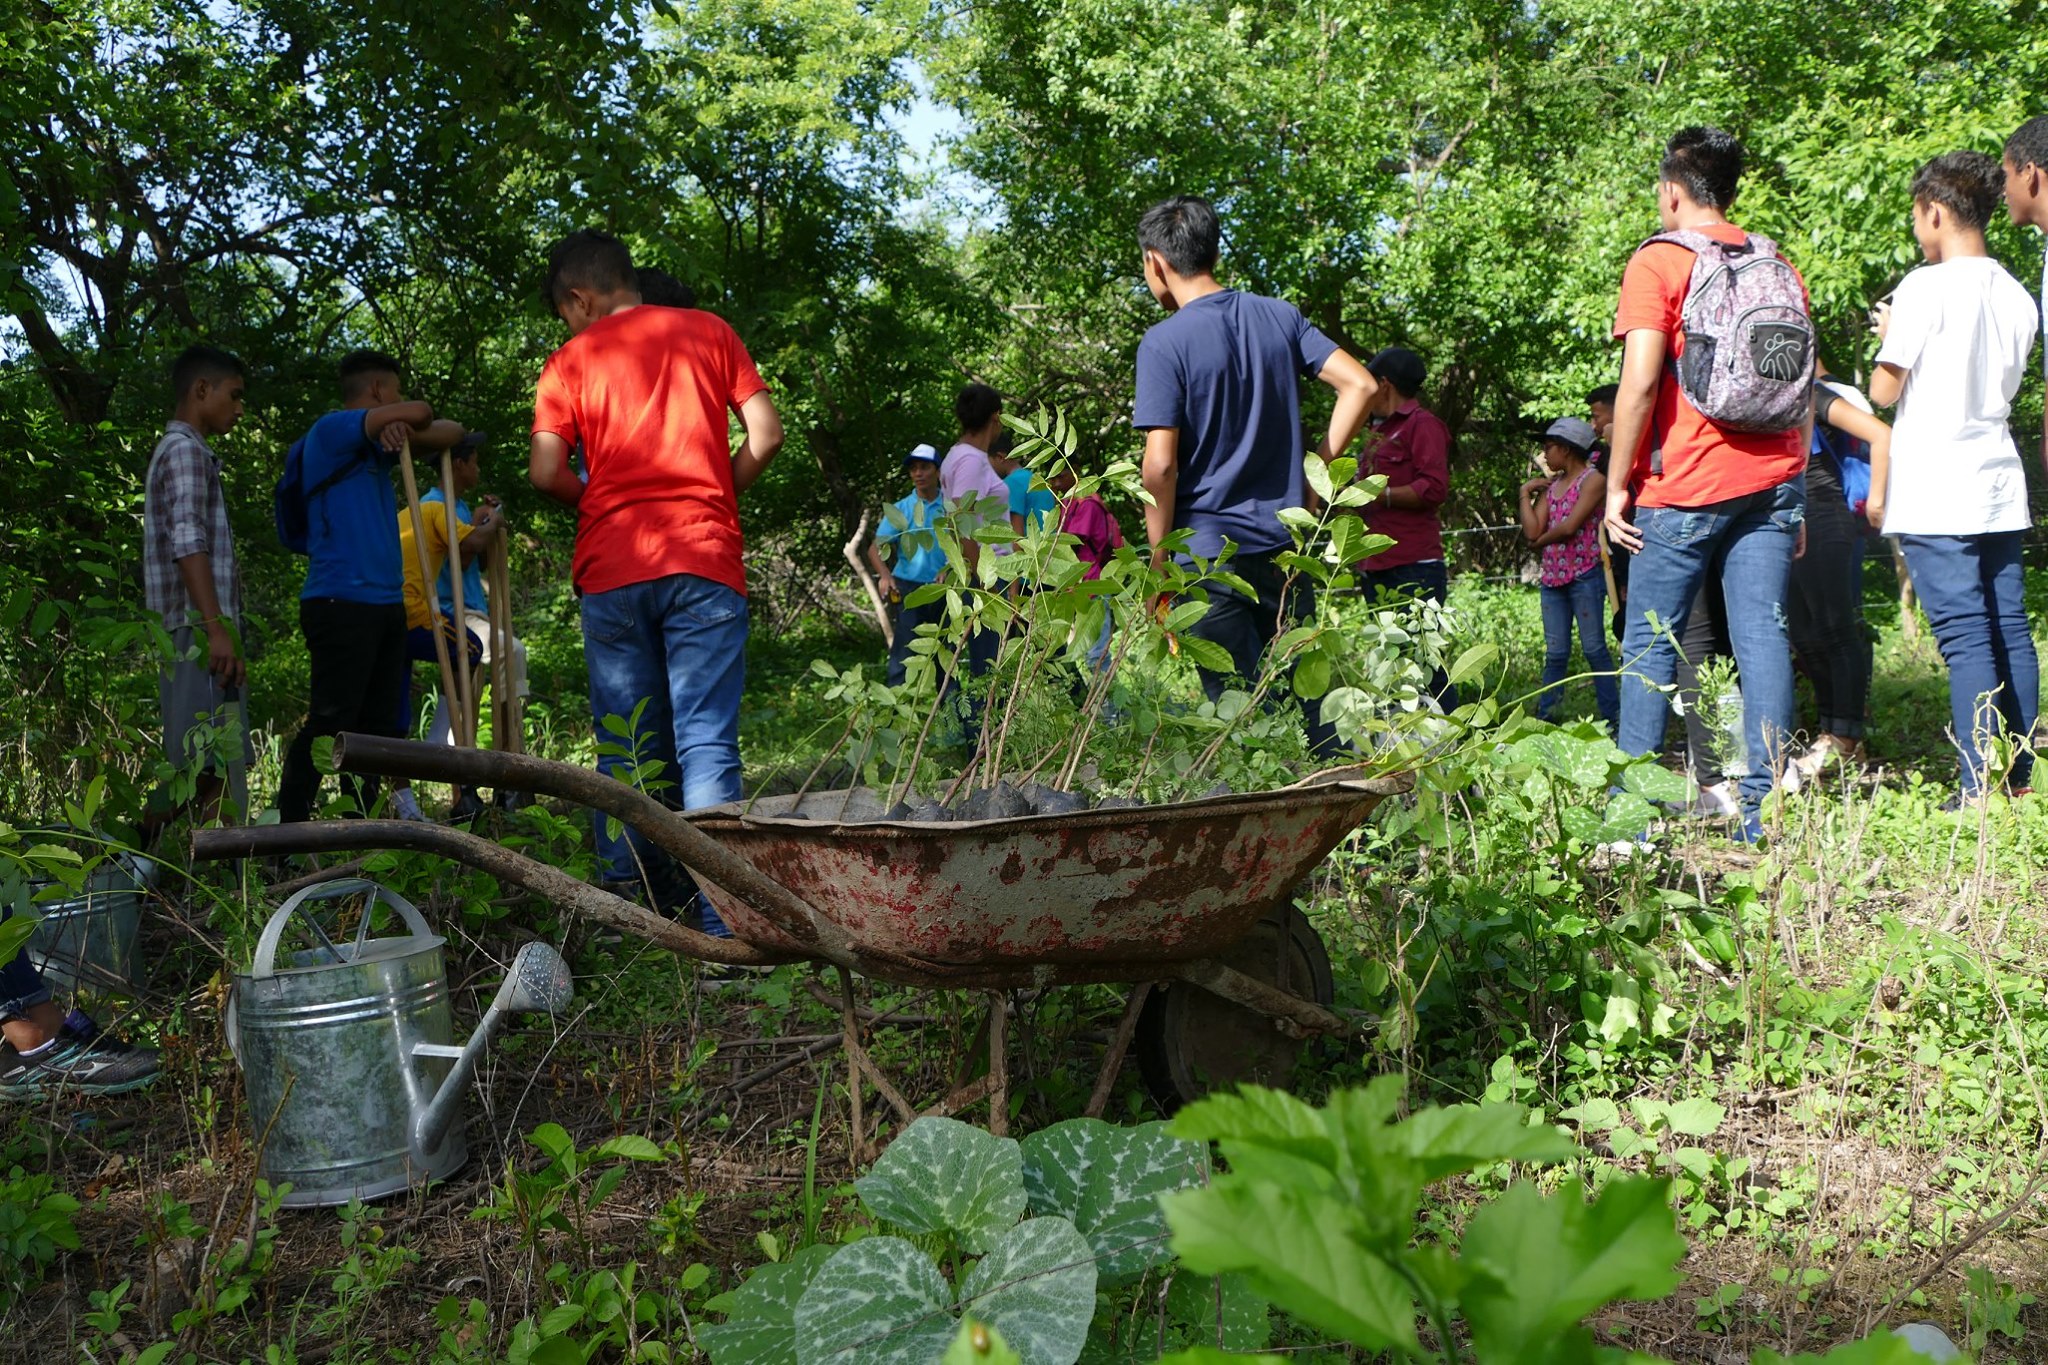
(908, 525)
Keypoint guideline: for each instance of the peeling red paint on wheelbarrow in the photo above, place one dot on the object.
(1151, 884)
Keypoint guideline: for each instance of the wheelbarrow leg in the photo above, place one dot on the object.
(999, 1063)
(849, 1024)
(1119, 1045)
(859, 1064)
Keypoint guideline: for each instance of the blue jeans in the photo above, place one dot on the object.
(1244, 626)
(1431, 580)
(908, 619)
(1747, 543)
(1970, 587)
(678, 644)
(1583, 600)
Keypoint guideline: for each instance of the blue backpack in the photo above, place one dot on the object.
(291, 501)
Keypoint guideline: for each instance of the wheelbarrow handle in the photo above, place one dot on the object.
(328, 836)
(669, 831)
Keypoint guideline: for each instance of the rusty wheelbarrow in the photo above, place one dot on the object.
(1191, 903)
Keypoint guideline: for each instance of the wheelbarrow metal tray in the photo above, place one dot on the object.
(1148, 884)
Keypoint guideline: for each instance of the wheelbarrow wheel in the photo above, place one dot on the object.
(1190, 1042)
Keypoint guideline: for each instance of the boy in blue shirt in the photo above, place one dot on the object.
(1029, 506)
(908, 525)
(352, 607)
(1219, 401)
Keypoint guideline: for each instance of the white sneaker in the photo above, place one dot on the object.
(1717, 802)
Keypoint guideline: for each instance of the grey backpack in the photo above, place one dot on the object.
(1749, 344)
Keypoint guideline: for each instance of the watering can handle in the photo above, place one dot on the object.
(273, 932)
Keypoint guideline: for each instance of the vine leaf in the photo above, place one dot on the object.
(1108, 1180)
(760, 1325)
(1036, 1286)
(879, 1301)
(943, 1175)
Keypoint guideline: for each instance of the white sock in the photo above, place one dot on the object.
(406, 805)
(47, 1044)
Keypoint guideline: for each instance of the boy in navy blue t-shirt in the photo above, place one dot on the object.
(1219, 401)
(352, 607)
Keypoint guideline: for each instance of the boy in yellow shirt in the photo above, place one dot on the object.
(472, 538)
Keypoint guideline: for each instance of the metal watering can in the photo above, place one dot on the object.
(354, 1089)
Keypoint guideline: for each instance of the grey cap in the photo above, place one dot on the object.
(1573, 431)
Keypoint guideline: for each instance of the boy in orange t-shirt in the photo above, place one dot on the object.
(1709, 500)
(648, 393)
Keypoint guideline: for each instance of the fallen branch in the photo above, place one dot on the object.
(867, 580)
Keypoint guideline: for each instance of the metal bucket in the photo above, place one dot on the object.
(88, 939)
(327, 1039)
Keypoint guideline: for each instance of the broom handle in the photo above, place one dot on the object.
(419, 549)
(1607, 567)
(501, 671)
(460, 706)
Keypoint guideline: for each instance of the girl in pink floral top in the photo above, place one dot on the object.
(1561, 517)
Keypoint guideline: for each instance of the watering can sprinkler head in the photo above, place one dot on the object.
(539, 981)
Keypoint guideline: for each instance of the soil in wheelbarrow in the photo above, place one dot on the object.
(1004, 801)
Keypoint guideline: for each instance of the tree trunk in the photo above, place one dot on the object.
(846, 500)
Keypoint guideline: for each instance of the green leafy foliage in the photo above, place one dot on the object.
(35, 1225)
(1106, 1180)
(1046, 1222)
(943, 1175)
(1317, 1209)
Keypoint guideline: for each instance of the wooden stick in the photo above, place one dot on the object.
(867, 581)
(419, 550)
(420, 836)
(462, 715)
(1607, 567)
(515, 705)
(501, 667)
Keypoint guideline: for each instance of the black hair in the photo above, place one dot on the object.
(195, 363)
(1967, 184)
(358, 366)
(1182, 229)
(976, 407)
(1606, 393)
(591, 260)
(1707, 163)
(1401, 367)
(2028, 146)
(664, 290)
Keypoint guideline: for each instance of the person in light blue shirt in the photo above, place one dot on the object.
(1029, 507)
(907, 526)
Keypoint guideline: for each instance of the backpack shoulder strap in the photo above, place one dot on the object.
(339, 472)
(1700, 244)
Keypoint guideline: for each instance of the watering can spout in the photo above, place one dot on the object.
(539, 982)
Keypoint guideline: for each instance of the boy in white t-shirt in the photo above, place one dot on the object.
(1955, 343)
